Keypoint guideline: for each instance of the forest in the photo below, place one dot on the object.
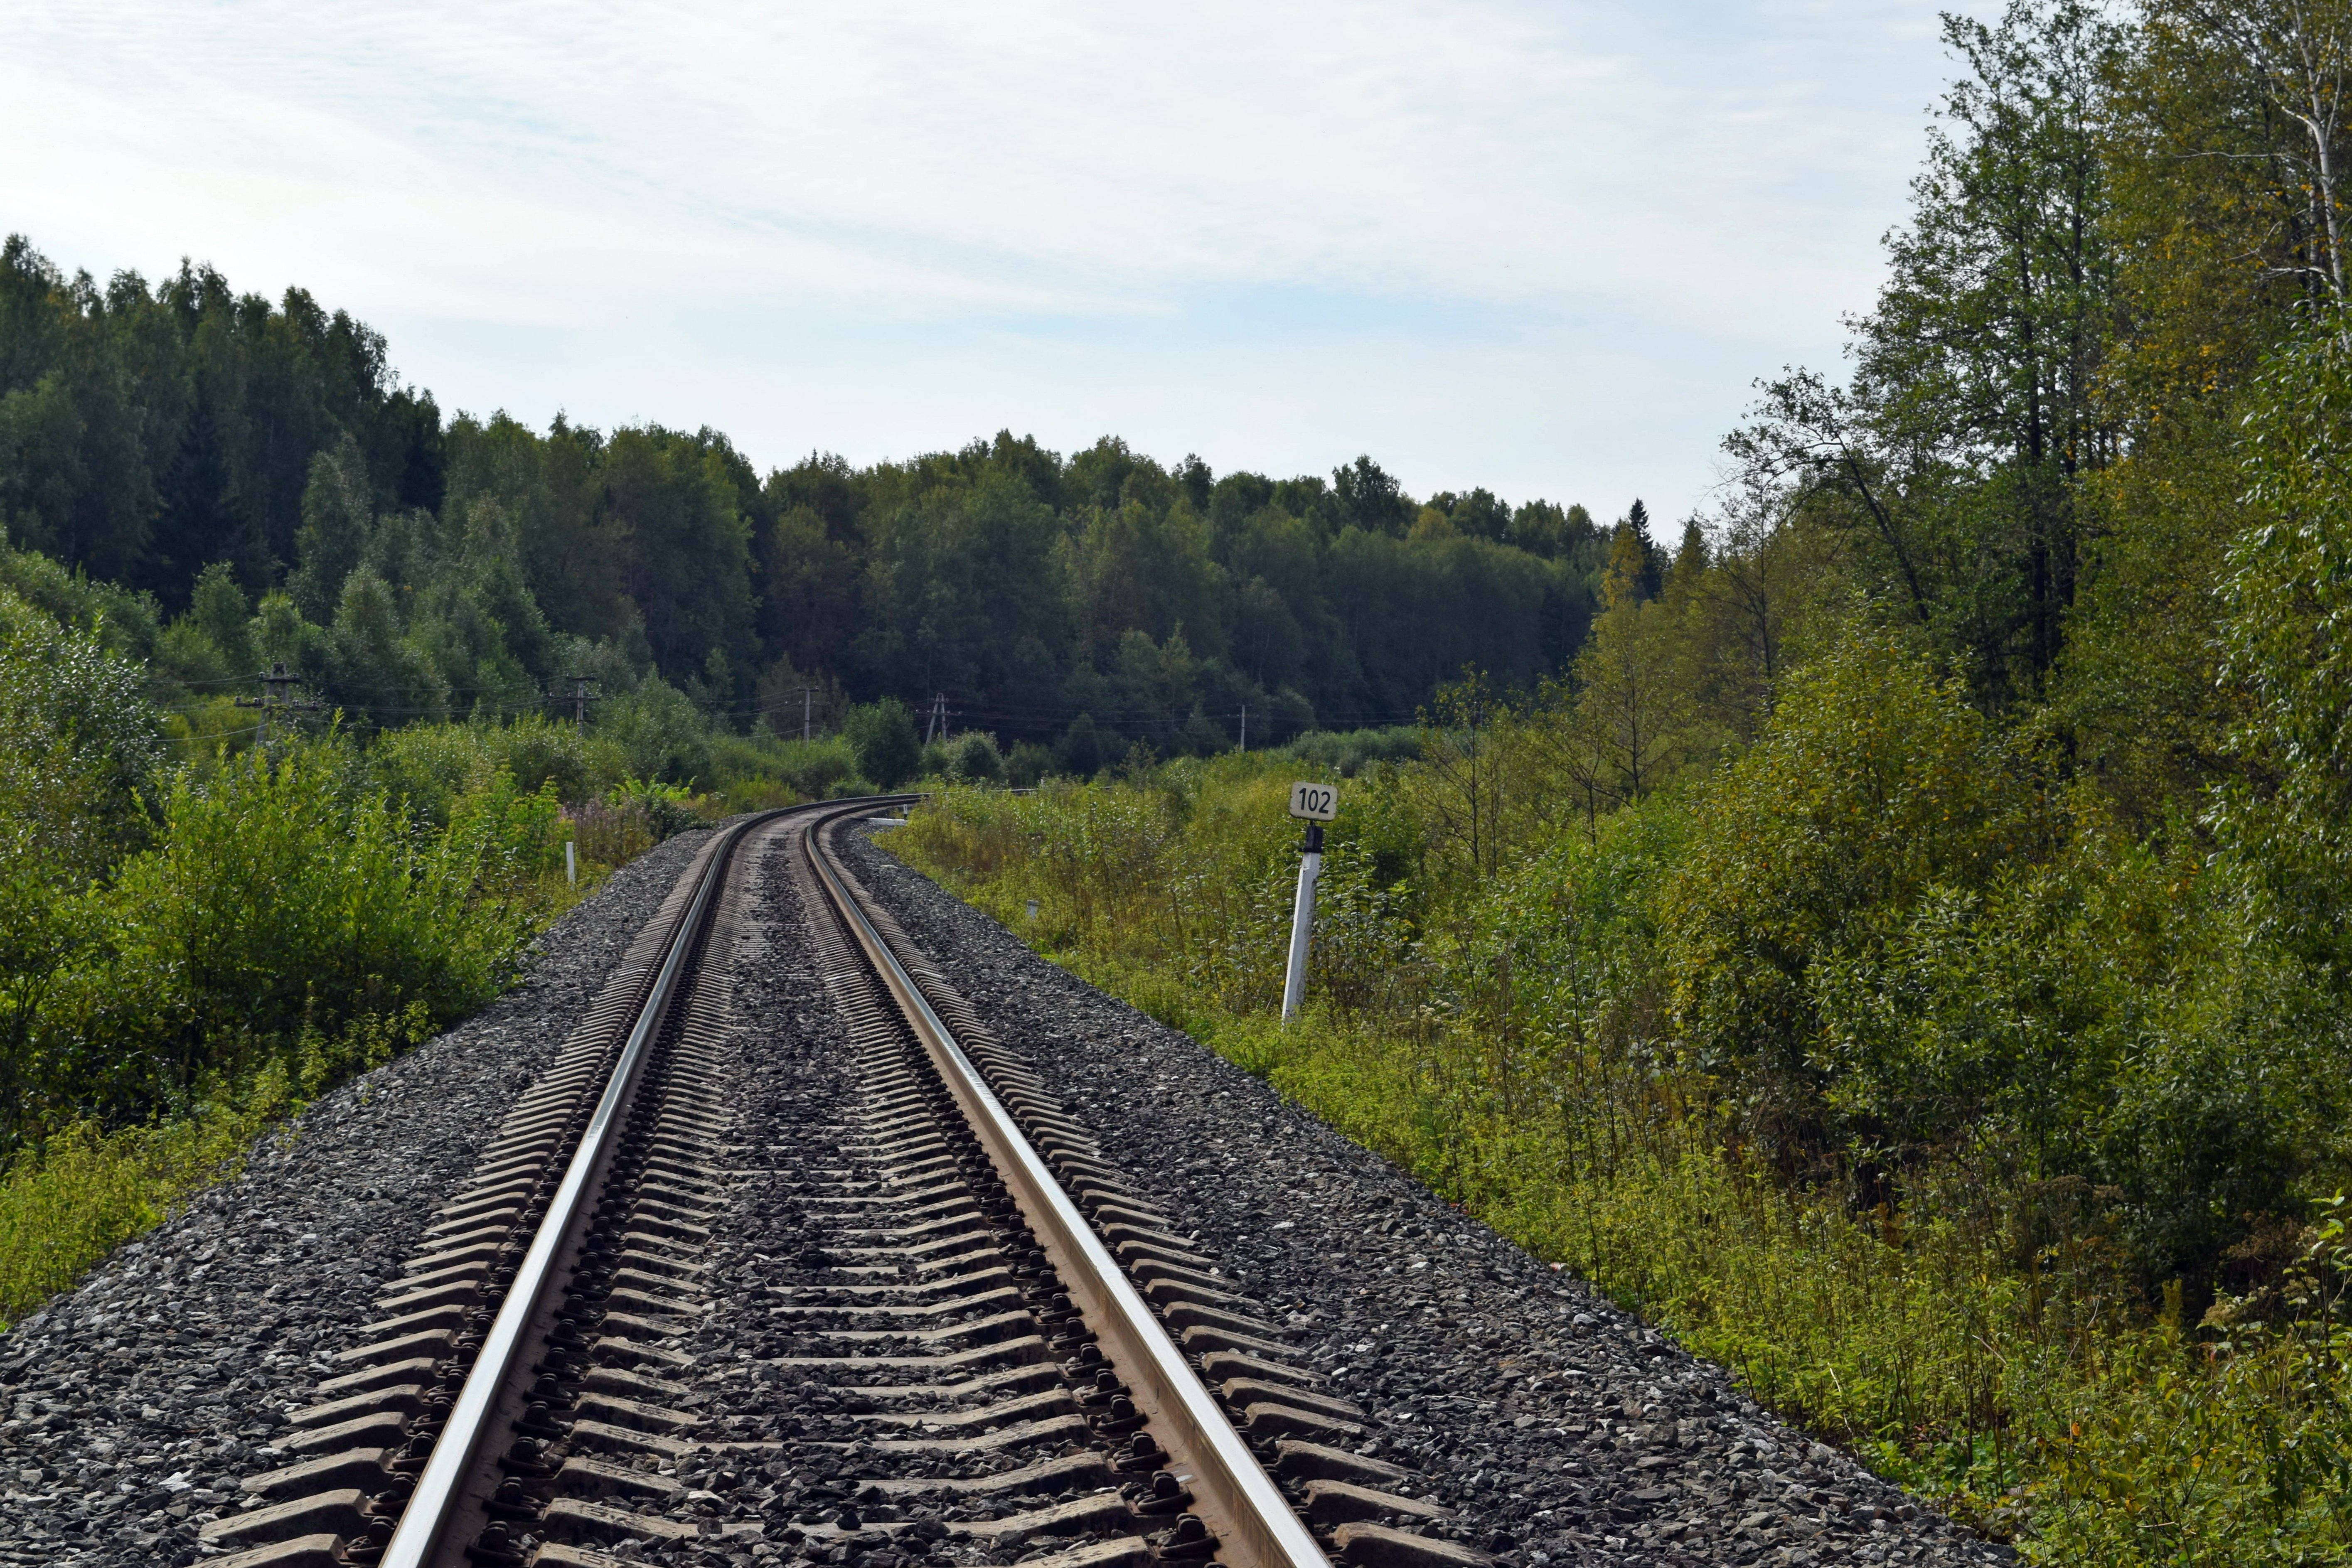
(262, 490)
(1904, 953)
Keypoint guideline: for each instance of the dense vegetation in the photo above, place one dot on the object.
(190, 945)
(1905, 952)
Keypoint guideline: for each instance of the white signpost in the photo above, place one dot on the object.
(1316, 804)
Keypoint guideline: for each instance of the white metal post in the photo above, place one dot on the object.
(1302, 923)
(571, 866)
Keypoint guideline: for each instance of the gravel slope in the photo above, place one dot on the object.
(134, 1403)
(1563, 1430)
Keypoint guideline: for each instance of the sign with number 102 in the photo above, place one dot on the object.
(1316, 802)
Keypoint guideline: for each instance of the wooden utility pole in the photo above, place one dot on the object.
(277, 689)
(580, 685)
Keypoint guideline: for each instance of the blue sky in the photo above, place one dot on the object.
(1541, 247)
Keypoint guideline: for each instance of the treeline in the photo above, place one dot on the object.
(256, 472)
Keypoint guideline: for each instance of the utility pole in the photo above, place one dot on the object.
(808, 694)
(580, 685)
(1244, 726)
(277, 687)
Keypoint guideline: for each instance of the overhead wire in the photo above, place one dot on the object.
(973, 709)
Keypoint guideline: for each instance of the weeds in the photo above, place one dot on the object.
(88, 1191)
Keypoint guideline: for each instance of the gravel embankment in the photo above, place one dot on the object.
(1562, 1428)
(135, 1403)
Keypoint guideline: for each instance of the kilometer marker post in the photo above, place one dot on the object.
(1316, 804)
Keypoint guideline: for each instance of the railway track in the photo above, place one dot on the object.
(956, 1331)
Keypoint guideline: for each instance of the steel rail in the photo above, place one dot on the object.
(439, 1487)
(1237, 1498)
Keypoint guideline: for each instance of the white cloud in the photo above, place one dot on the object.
(1539, 246)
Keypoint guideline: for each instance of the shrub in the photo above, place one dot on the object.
(605, 836)
(1875, 784)
(882, 736)
(2288, 610)
(88, 1191)
(1081, 752)
(976, 762)
(1028, 764)
(668, 809)
(82, 742)
(1348, 752)
(425, 767)
(660, 732)
(278, 906)
(813, 767)
(275, 902)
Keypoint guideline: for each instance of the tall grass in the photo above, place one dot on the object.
(1982, 1339)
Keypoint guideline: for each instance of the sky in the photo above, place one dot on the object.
(1544, 248)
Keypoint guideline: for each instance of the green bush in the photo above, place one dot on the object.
(660, 732)
(1081, 752)
(882, 736)
(81, 742)
(1348, 752)
(277, 904)
(668, 809)
(1026, 764)
(86, 1192)
(805, 770)
(287, 926)
(1875, 784)
(427, 767)
(976, 762)
(2289, 818)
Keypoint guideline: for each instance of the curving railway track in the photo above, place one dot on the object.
(878, 1301)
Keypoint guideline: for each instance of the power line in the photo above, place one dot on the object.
(277, 697)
